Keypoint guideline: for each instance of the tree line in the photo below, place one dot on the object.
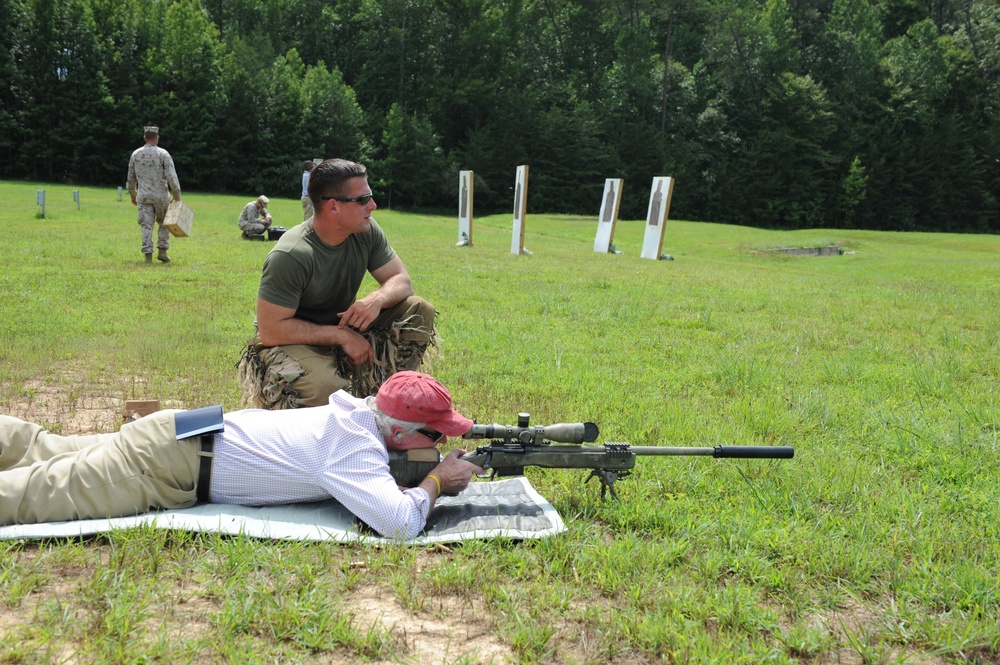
(878, 114)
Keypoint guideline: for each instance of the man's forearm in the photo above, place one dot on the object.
(394, 291)
(297, 331)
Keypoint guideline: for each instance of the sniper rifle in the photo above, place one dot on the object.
(513, 447)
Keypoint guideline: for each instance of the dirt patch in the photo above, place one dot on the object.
(73, 404)
(851, 624)
(69, 414)
(446, 629)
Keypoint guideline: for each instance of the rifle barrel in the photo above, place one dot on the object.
(757, 452)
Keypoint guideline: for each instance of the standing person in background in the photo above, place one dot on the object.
(151, 180)
(255, 219)
(307, 206)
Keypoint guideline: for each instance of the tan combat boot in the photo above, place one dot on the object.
(149, 258)
(162, 256)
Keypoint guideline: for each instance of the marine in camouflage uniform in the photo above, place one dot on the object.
(150, 174)
(315, 335)
(255, 219)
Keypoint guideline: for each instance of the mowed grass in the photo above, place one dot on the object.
(877, 543)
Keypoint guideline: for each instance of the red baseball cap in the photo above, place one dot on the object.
(420, 398)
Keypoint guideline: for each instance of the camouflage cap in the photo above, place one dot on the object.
(151, 130)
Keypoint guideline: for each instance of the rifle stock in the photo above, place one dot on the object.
(514, 447)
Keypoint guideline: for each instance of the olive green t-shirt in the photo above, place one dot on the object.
(316, 280)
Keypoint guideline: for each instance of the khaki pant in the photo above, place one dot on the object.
(307, 208)
(320, 377)
(46, 477)
(310, 374)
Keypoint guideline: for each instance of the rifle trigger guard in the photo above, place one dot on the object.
(492, 473)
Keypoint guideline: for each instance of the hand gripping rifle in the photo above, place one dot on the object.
(513, 447)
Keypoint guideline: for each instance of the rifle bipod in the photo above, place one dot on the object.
(607, 478)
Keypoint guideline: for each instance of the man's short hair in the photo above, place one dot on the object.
(307, 166)
(330, 178)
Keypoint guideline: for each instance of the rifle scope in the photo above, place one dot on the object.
(524, 433)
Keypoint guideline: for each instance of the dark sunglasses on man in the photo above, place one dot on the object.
(363, 200)
(431, 434)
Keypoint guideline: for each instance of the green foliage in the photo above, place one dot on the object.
(854, 190)
(700, 90)
(414, 164)
(183, 89)
(332, 121)
(792, 156)
(917, 73)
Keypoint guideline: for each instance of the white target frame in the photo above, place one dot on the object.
(520, 207)
(610, 203)
(466, 190)
(660, 193)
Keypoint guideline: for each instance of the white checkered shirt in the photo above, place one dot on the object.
(300, 455)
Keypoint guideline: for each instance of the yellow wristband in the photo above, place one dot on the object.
(435, 478)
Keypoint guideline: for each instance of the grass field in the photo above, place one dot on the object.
(877, 543)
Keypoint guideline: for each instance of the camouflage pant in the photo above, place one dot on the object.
(149, 214)
(299, 375)
(257, 228)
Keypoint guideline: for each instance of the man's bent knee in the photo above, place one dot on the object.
(413, 318)
(423, 313)
(319, 378)
(315, 388)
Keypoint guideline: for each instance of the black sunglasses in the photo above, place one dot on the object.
(431, 434)
(363, 200)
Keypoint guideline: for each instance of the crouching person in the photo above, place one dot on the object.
(314, 335)
(255, 219)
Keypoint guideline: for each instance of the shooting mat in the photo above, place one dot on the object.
(508, 508)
